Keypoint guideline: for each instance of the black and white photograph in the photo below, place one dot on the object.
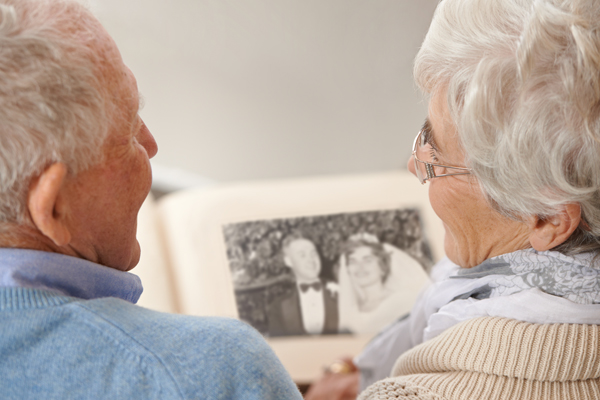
(326, 274)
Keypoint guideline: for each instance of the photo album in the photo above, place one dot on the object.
(326, 274)
(318, 266)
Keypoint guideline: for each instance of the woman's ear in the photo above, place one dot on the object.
(45, 205)
(547, 233)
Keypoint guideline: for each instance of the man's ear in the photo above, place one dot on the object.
(550, 232)
(44, 204)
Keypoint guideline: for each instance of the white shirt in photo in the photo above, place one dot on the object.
(312, 307)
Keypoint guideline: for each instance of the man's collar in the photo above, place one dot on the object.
(316, 286)
(66, 275)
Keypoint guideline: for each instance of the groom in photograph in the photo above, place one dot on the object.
(312, 307)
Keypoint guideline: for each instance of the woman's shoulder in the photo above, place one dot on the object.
(495, 345)
(503, 357)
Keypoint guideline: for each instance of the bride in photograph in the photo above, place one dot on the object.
(375, 282)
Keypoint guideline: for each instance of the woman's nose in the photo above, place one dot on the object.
(411, 165)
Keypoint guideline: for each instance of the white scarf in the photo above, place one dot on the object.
(526, 285)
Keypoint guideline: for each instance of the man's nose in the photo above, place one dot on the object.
(146, 139)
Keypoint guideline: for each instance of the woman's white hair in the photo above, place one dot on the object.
(53, 107)
(523, 87)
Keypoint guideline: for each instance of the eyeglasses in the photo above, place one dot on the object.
(423, 154)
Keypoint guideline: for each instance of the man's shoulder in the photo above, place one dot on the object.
(167, 341)
(219, 351)
(153, 353)
(165, 329)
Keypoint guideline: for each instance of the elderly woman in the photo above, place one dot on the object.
(511, 153)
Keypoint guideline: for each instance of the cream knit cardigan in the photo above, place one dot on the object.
(498, 358)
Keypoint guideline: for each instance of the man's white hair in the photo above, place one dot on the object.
(523, 87)
(53, 105)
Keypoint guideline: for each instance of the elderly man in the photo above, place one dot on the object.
(74, 171)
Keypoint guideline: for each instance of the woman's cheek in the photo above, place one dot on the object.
(447, 205)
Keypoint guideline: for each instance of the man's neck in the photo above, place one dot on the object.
(24, 237)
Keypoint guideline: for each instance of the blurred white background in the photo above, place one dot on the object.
(255, 89)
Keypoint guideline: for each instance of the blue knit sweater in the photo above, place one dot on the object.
(54, 346)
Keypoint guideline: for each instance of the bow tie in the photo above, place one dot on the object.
(305, 286)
